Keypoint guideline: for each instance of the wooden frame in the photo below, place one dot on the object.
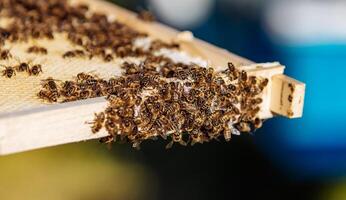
(65, 123)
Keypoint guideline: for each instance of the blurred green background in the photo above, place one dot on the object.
(77, 171)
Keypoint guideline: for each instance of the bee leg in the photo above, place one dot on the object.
(193, 142)
(170, 145)
(137, 145)
(183, 143)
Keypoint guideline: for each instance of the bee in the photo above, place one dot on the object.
(98, 122)
(231, 67)
(69, 88)
(4, 34)
(259, 100)
(75, 38)
(81, 77)
(243, 76)
(227, 132)
(108, 58)
(37, 50)
(253, 80)
(49, 34)
(254, 111)
(51, 97)
(244, 127)
(148, 81)
(232, 72)
(72, 54)
(23, 67)
(290, 98)
(35, 70)
(50, 84)
(197, 137)
(86, 93)
(126, 112)
(232, 88)
(291, 86)
(5, 54)
(79, 53)
(110, 125)
(131, 68)
(127, 126)
(258, 123)
(95, 51)
(107, 140)
(176, 138)
(181, 74)
(8, 72)
(264, 84)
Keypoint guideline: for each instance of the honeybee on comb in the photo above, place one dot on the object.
(8, 71)
(37, 50)
(35, 70)
(5, 54)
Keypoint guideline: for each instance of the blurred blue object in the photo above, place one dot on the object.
(309, 37)
(314, 145)
(315, 53)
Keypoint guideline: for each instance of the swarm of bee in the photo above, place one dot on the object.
(11, 71)
(187, 104)
(183, 103)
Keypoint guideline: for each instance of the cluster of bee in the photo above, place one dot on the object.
(11, 71)
(183, 103)
(84, 86)
(187, 105)
(93, 32)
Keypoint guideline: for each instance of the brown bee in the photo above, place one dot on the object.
(5, 54)
(69, 54)
(98, 122)
(79, 53)
(227, 133)
(23, 67)
(244, 127)
(290, 98)
(243, 76)
(75, 38)
(51, 97)
(8, 72)
(72, 54)
(176, 138)
(35, 70)
(37, 50)
(231, 67)
(264, 84)
(197, 137)
(107, 140)
(81, 77)
(86, 93)
(50, 84)
(232, 72)
(127, 126)
(258, 123)
(108, 58)
(69, 88)
(130, 68)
